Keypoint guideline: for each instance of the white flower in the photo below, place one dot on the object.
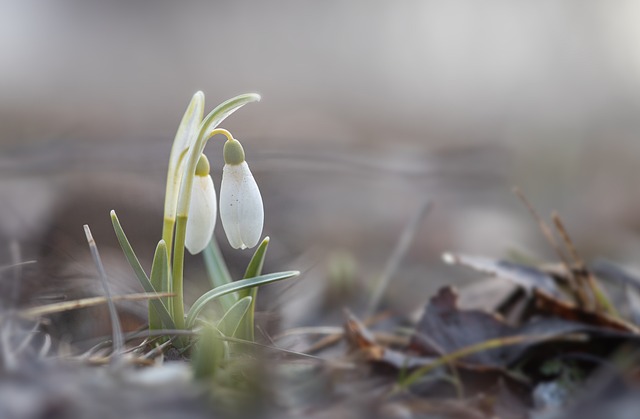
(202, 210)
(241, 208)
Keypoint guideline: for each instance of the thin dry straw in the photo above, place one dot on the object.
(398, 254)
(16, 257)
(118, 338)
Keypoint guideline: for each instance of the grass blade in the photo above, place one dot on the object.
(139, 271)
(253, 269)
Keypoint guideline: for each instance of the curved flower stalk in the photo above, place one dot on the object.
(241, 208)
(202, 209)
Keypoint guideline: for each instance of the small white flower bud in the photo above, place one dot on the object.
(241, 208)
(202, 209)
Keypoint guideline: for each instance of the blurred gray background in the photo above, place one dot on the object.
(369, 107)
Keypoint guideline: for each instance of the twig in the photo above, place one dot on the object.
(46, 309)
(16, 256)
(548, 234)
(601, 301)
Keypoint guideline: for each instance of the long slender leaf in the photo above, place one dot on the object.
(254, 269)
(218, 272)
(139, 271)
(200, 303)
(226, 108)
(159, 279)
(231, 320)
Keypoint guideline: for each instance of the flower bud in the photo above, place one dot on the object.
(241, 208)
(202, 209)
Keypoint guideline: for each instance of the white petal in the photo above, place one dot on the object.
(202, 215)
(241, 208)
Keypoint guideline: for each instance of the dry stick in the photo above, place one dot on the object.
(601, 302)
(13, 265)
(564, 233)
(577, 261)
(16, 257)
(398, 254)
(116, 328)
(43, 310)
(583, 301)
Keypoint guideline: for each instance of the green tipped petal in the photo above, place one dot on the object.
(233, 152)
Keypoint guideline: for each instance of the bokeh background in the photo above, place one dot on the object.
(369, 108)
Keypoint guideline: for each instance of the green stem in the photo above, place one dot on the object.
(167, 236)
(178, 265)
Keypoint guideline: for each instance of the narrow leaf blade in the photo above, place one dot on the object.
(231, 320)
(254, 269)
(255, 265)
(218, 272)
(207, 297)
(223, 110)
(139, 271)
(159, 280)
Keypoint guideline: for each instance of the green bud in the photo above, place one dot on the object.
(202, 169)
(233, 152)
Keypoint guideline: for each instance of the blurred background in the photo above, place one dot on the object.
(369, 108)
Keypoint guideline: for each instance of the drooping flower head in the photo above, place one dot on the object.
(202, 209)
(241, 208)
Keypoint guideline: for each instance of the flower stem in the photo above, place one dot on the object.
(177, 276)
(167, 236)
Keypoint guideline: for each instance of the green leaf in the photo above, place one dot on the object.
(159, 281)
(207, 297)
(229, 323)
(254, 269)
(209, 352)
(218, 272)
(226, 108)
(140, 273)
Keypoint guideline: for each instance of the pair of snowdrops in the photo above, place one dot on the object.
(241, 208)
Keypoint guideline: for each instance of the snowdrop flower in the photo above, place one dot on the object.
(202, 209)
(241, 208)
